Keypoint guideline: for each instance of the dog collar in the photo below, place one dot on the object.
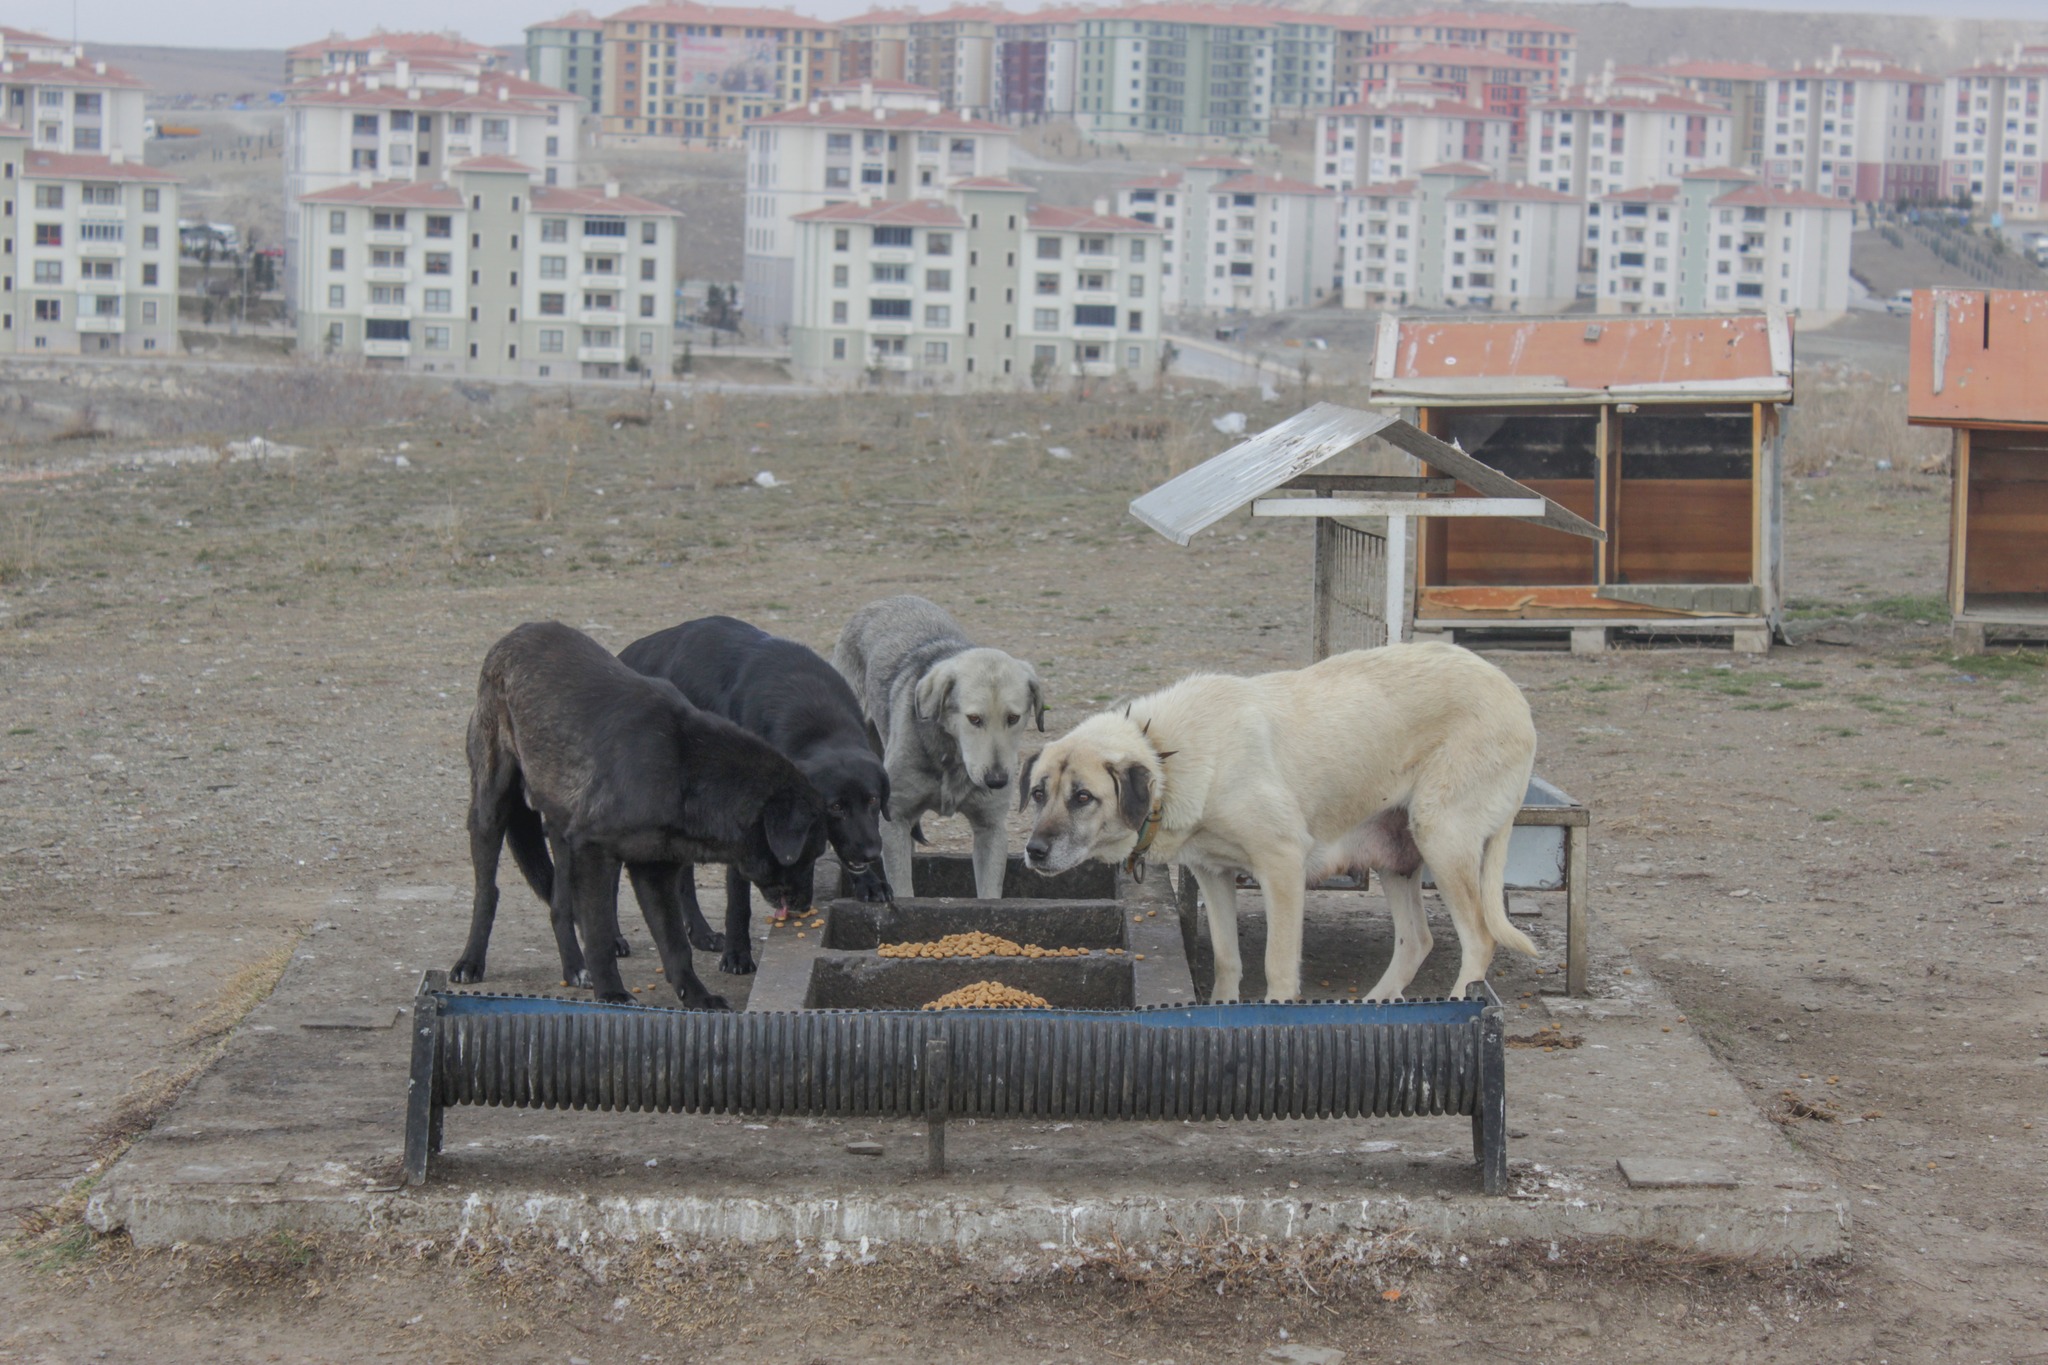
(1147, 830)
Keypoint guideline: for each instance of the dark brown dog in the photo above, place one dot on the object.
(572, 753)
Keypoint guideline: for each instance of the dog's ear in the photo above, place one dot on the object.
(1037, 692)
(1134, 792)
(934, 690)
(788, 821)
(1024, 779)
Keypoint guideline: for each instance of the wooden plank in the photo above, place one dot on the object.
(1448, 459)
(1325, 484)
(1603, 487)
(1323, 575)
(2008, 522)
(1518, 552)
(1578, 912)
(1399, 507)
(1686, 530)
(1386, 347)
(1959, 519)
(1756, 496)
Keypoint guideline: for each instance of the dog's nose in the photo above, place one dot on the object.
(1036, 849)
(996, 779)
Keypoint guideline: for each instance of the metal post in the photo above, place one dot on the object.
(1577, 922)
(938, 1081)
(1397, 579)
(1490, 1115)
(422, 1112)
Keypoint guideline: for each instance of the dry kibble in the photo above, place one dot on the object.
(985, 995)
(975, 944)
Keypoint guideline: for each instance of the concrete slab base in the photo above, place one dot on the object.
(300, 1127)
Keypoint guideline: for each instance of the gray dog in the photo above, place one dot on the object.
(949, 715)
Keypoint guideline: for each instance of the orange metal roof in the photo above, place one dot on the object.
(1977, 358)
(1671, 356)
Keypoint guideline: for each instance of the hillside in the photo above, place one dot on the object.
(197, 72)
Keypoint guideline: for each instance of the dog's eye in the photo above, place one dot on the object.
(1014, 718)
(975, 721)
(836, 808)
(1081, 797)
(1038, 794)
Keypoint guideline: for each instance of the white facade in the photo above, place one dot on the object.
(1173, 202)
(1455, 238)
(976, 291)
(1636, 237)
(1588, 144)
(486, 273)
(1995, 146)
(66, 103)
(874, 141)
(89, 261)
(1854, 127)
(1384, 140)
(1271, 244)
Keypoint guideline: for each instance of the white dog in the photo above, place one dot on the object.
(949, 718)
(1381, 758)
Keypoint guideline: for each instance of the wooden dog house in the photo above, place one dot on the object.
(1663, 431)
(1980, 368)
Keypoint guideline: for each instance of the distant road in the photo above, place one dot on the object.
(1232, 366)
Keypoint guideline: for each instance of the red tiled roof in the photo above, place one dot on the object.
(63, 166)
(494, 163)
(963, 13)
(399, 194)
(1711, 70)
(738, 16)
(1422, 109)
(575, 18)
(1527, 193)
(1765, 197)
(23, 35)
(941, 121)
(1643, 194)
(989, 182)
(1623, 351)
(1504, 23)
(849, 87)
(392, 97)
(1717, 173)
(885, 212)
(560, 199)
(880, 16)
(1668, 104)
(399, 44)
(1054, 218)
(1455, 168)
(1268, 184)
(82, 73)
(1392, 189)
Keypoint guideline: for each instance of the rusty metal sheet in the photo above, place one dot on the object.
(1550, 359)
(1204, 495)
(1977, 358)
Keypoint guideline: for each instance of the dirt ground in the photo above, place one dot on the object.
(235, 684)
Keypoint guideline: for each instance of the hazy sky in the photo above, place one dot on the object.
(270, 24)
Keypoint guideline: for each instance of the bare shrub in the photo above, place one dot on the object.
(1857, 420)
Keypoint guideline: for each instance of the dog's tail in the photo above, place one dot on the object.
(529, 845)
(1493, 876)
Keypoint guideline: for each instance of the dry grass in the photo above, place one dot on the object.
(20, 552)
(1856, 422)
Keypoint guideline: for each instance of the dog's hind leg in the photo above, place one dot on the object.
(1219, 893)
(991, 846)
(562, 917)
(588, 879)
(659, 886)
(1412, 940)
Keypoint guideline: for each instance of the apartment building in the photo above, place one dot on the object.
(568, 54)
(1549, 45)
(1037, 65)
(484, 272)
(1994, 148)
(1272, 244)
(953, 51)
(1720, 241)
(65, 102)
(1173, 201)
(89, 252)
(1856, 126)
(1455, 237)
(1498, 82)
(410, 123)
(1391, 137)
(686, 74)
(1201, 71)
(975, 289)
(881, 140)
(875, 46)
(339, 55)
(1589, 143)
(1742, 88)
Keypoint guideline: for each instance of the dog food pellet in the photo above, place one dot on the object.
(1137, 919)
(988, 995)
(975, 944)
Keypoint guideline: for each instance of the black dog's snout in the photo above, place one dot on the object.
(1036, 849)
(996, 781)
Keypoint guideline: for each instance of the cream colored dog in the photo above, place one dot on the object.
(1381, 758)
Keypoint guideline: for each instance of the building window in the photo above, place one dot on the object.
(337, 221)
(1048, 249)
(148, 276)
(385, 258)
(839, 311)
(101, 232)
(440, 263)
(49, 234)
(49, 272)
(435, 338)
(890, 274)
(149, 312)
(387, 329)
(889, 308)
(1045, 319)
(49, 310)
(554, 267)
(1137, 251)
(839, 348)
(1094, 315)
(440, 225)
(551, 340)
(841, 238)
(647, 268)
(337, 258)
(604, 227)
(938, 315)
(938, 281)
(840, 277)
(438, 300)
(648, 230)
(386, 221)
(1046, 284)
(387, 295)
(49, 196)
(1133, 357)
(1135, 321)
(149, 238)
(553, 305)
(647, 305)
(935, 352)
(938, 244)
(892, 236)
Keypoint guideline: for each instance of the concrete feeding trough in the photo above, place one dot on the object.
(1133, 959)
(952, 875)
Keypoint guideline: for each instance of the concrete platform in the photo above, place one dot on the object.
(300, 1126)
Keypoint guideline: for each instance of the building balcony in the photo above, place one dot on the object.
(387, 350)
(890, 327)
(101, 213)
(1092, 333)
(604, 246)
(92, 289)
(892, 362)
(398, 311)
(892, 255)
(101, 251)
(600, 317)
(613, 281)
(891, 291)
(601, 355)
(388, 274)
(101, 322)
(388, 237)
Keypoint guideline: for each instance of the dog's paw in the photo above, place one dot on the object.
(581, 980)
(737, 962)
(710, 941)
(466, 973)
(622, 946)
(618, 997)
(716, 1004)
(872, 887)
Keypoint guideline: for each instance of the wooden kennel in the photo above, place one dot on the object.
(1980, 368)
(1662, 431)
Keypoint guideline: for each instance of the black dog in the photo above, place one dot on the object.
(789, 696)
(573, 753)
